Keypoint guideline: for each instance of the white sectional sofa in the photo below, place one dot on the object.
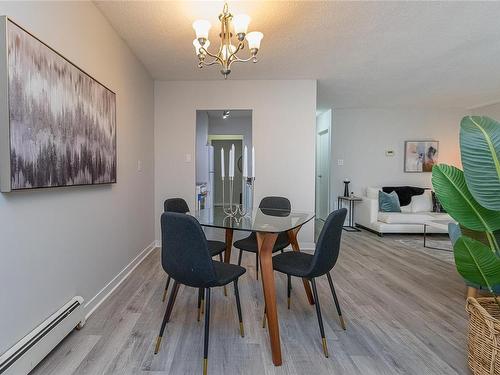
(410, 220)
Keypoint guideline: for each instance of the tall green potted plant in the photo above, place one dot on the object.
(472, 198)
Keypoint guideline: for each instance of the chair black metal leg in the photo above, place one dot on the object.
(200, 296)
(320, 320)
(335, 299)
(239, 257)
(257, 265)
(264, 319)
(166, 316)
(288, 289)
(175, 289)
(207, 327)
(238, 307)
(166, 289)
(220, 257)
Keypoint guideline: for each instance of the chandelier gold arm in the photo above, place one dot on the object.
(216, 57)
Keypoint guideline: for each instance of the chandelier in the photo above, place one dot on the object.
(227, 52)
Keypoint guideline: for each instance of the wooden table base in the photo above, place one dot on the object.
(292, 236)
(266, 244)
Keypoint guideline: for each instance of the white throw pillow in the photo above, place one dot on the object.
(406, 209)
(422, 203)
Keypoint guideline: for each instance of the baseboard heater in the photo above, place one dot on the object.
(31, 349)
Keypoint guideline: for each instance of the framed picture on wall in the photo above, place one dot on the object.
(57, 123)
(420, 156)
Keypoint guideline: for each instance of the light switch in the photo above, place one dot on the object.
(188, 158)
(340, 162)
(139, 166)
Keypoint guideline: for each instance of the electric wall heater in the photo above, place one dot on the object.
(31, 349)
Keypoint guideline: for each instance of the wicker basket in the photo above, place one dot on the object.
(484, 336)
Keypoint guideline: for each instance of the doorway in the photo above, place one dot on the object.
(217, 129)
(323, 164)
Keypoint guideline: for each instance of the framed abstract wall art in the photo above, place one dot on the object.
(57, 123)
(420, 156)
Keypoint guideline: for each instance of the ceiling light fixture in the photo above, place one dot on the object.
(226, 54)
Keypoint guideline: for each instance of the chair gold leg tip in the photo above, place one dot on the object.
(158, 342)
(242, 331)
(205, 366)
(342, 322)
(325, 348)
(288, 303)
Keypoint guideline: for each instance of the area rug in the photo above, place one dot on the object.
(418, 245)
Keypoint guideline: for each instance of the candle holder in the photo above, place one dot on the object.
(231, 209)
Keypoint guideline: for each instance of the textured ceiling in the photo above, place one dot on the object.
(363, 54)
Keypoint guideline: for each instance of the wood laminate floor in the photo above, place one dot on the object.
(404, 312)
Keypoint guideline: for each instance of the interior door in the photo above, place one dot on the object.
(322, 174)
(218, 144)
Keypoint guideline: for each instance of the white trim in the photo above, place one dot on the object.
(105, 292)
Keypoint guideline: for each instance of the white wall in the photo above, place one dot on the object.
(283, 122)
(361, 137)
(233, 126)
(58, 243)
(491, 110)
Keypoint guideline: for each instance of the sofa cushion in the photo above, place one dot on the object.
(404, 218)
(388, 202)
(422, 203)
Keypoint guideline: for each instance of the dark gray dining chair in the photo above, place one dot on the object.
(273, 205)
(185, 256)
(310, 267)
(180, 206)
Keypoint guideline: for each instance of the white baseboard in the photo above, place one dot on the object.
(105, 292)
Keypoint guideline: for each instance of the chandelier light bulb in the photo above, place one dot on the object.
(227, 51)
(240, 24)
(254, 39)
(201, 28)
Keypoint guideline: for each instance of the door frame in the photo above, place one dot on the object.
(319, 133)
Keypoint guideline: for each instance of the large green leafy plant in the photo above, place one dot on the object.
(472, 198)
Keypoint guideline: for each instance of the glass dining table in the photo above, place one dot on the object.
(267, 224)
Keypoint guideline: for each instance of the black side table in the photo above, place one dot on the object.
(341, 200)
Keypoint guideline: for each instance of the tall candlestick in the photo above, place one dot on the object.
(222, 162)
(245, 158)
(231, 168)
(253, 162)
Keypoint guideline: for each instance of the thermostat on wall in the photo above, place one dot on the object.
(389, 152)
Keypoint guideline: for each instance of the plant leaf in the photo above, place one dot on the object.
(451, 189)
(477, 263)
(480, 149)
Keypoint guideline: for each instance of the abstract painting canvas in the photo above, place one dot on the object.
(420, 156)
(61, 122)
